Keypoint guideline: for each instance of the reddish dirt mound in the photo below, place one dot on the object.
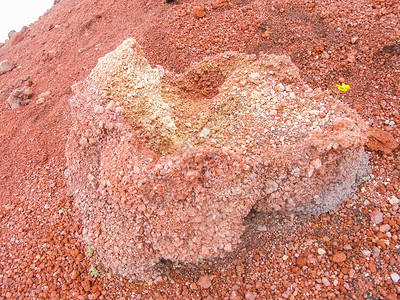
(339, 254)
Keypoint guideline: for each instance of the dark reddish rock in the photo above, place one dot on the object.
(198, 12)
(302, 261)
(380, 140)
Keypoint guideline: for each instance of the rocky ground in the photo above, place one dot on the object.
(349, 253)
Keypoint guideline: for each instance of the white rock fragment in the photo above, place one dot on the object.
(98, 109)
(6, 66)
(395, 277)
(280, 87)
(384, 228)
(43, 97)
(270, 187)
(204, 133)
(40, 101)
(347, 247)
(375, 251)
(393, 200)
(321, 251)
(325, 281)
(366, 253)
(262, 228)
(376, 216)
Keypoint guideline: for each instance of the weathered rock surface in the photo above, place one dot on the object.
(6, 66)
(167, 166)
(380, 140)
(20, 96)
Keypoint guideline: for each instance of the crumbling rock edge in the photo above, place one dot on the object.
(166, 166)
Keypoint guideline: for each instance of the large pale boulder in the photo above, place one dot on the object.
(167, 166)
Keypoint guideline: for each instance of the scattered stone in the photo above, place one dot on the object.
(219, 3)
(325, 281)
(380, 140)
(49, 55)
(20, 96)
(347, 247)
(262, 228)
(198, 12)
(354, 39)
(251, 295)
(42, 97)
(6, 66)
(393, 200)
(376, 216)
(384, 228)
(372, 267)
(74, 274)
(366, 253)
(204, 281)
(239, 269)
(375, 251)
(395, 277)
(321, 251)
(40, 101)
(326, 238)
(17, 37)
(86, 285)
(302, 261)
(339, 257)
(11, 34)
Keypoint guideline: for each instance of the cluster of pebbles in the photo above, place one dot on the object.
(167, 166)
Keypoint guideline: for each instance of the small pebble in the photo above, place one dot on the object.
(366, 253)
(321, 251)
(384, 228)
(339, 257)
(325, 281)
(395, 277)
(376, 216)
(204, 281)
(375, 251)
(393, 200)
(347, 247)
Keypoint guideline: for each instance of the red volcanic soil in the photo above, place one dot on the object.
(349, 253)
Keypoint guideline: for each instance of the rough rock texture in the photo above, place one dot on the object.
(6, 66)
(380, 140)
(167, 166)
(20, 96)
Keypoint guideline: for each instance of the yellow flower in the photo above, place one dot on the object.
(343, 87)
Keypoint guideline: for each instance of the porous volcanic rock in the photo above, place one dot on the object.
(167, 166)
